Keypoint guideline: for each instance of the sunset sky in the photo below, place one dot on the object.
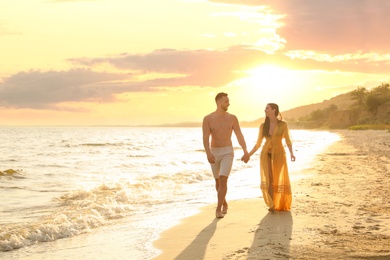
(124, 62)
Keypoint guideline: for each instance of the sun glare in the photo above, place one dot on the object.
(268, 83)
(272, 77)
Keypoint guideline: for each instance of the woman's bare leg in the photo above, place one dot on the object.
(271, 181)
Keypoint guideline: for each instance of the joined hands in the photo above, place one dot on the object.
(245, 158)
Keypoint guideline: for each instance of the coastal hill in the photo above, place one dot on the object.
(359, 109)
(342, 101)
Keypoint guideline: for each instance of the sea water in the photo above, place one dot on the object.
(100, 192)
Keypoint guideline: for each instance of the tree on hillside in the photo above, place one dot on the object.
(382, 90)
(359, 95)
(316, 115)
(322, 114)
(330, 109)
(377, 97)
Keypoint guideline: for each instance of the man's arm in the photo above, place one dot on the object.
(259, 140)
(206, 139)
(240, 136)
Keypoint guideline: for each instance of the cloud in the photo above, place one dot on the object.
(61, 1)
(160, 70)
(199, 67)
(333, 26)
(219, 67)
(5, 31)
(41, 90)
(211, 68)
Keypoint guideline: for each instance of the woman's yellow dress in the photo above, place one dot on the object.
(282, 197)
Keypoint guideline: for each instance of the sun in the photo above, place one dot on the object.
(271, 80)
(267, 83)
(271, 76)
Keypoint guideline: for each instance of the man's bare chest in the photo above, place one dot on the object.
(221, 126)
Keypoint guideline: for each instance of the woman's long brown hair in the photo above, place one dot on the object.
(266, 121)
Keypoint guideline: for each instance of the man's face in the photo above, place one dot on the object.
(224, 103)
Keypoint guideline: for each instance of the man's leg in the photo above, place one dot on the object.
(221, 178)
(222, 190)
(224, 204)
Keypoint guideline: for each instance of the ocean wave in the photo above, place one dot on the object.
(82, 210)
(79, 212)
(11, 173)
(186, 177)
(94, 144)
(102, 144)
(139, 156)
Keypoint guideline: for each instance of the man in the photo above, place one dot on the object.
(220, 125)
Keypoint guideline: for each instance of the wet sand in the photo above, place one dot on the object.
(341, 211)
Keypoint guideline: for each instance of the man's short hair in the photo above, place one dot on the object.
(220, 95)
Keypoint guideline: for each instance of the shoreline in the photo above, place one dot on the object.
(341, 212)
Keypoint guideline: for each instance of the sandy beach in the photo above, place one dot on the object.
(340, 211)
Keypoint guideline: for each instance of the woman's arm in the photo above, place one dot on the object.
(287, 137)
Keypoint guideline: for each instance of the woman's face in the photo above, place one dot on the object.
(269, 111)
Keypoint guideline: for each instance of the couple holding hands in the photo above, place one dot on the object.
(275, 181)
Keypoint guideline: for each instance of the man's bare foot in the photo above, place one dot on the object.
(271, 209)
(224, 209)
(219, 214)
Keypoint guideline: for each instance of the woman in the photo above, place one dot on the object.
(275, 182)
